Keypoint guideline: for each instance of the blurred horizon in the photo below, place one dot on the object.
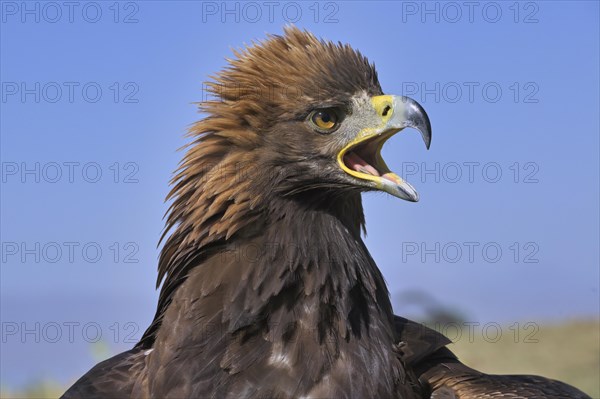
(96, 100)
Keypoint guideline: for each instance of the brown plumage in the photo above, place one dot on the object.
(268, 290)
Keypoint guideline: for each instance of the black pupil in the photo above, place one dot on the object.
(325, 117)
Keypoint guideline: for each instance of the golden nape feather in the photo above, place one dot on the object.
(268, 289)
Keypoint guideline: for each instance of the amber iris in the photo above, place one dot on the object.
(324, 119)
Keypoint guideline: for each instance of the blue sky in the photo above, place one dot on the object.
(96, 99)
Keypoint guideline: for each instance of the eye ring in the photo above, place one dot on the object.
(325, 120)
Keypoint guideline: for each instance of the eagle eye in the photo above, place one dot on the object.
(325, 120)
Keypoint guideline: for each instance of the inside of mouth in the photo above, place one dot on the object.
(363, 158)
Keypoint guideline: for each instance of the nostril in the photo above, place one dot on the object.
(386, 110)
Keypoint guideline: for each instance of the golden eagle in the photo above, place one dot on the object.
(268, 290)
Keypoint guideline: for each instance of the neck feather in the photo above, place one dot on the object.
(301, 249)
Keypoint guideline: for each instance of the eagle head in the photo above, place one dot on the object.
(288, 116)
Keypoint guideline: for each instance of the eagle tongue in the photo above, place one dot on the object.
(355, 162)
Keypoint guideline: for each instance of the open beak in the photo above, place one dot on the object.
(362, 159)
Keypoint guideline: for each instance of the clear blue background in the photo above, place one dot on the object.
(173, 47)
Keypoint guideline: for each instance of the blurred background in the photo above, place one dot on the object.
(501, 253)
